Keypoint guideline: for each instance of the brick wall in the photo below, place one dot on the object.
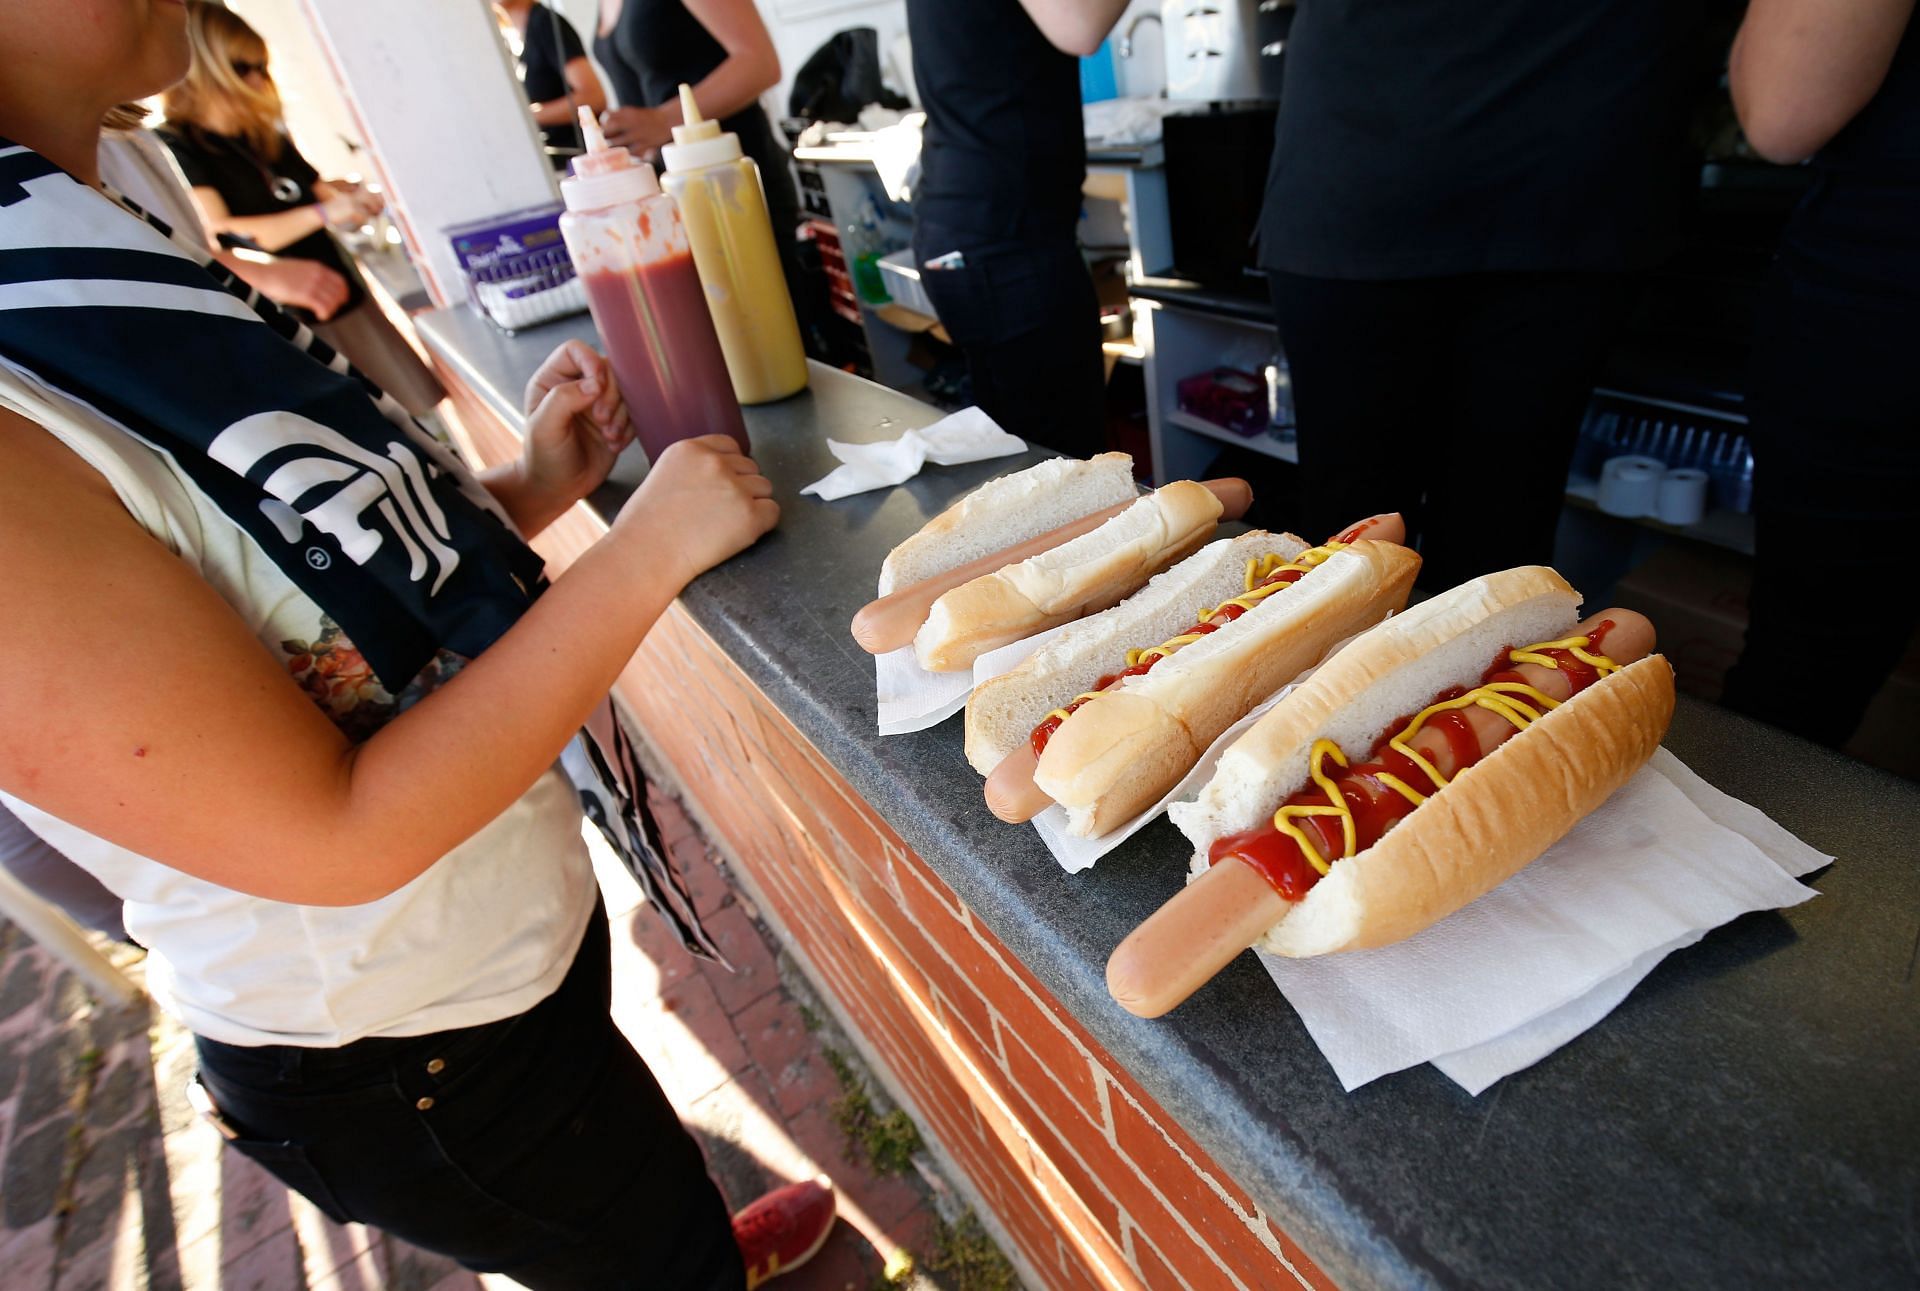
(1077, 1164)
(1082, 1169)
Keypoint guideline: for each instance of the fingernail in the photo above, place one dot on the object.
(588, 386)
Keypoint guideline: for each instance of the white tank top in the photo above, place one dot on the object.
(485, 933)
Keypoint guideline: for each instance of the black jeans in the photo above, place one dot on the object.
(539, 1146)
(1026, 316)
(1835, 426)
(1455, 401)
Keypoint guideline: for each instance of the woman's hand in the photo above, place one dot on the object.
(638, 129)
(703, 501)
(577, 425)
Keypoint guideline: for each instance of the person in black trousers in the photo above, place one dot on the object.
(1456, 204)
(1002, 159)
(1834, 419)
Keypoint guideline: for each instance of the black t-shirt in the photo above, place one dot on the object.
(1422, 137)
(549, 45)
(654, 47)
(1004, 154)
(247, 183)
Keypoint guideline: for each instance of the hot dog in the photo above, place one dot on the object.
(1425, 764)
(1082, 576)
(1107, 717)
(893, 620)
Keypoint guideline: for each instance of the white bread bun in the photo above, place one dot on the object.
(1123, 751)
(1089, 573)
(1493, 819)
(1009, 510)
(1004, 710)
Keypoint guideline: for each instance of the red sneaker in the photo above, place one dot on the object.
(782, 1230)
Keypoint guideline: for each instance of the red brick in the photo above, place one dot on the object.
(1303, 1265)
(1157, 1148)
(802, 1083)
(1058, 1080)
(1148, 1135)
(1074, 1172)
(774, 1034)
(745, 947)
(1155, 1273)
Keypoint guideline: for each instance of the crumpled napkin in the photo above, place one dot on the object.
(966, 436)
(1498, 986)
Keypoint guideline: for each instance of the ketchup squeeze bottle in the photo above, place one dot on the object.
(718, 191)
(631, 250)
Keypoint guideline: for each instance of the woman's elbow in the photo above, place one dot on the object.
(1783, 135)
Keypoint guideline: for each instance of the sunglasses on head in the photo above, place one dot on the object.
(243, 68)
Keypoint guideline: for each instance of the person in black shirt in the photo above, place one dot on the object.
(649, 48)
(1002, 159)
(255, 190)
(1832, 415)
(556, 73)
(1456, 200)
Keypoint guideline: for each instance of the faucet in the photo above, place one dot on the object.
(1126, 37)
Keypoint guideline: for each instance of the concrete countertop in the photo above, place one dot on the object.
(1750, 1116)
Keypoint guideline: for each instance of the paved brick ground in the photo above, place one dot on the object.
(108, 1181)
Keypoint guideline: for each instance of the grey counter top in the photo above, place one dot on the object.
(1750, 1116)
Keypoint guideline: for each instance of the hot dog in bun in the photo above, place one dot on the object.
(1422, 766)
(1033, 550)
(1108, 716)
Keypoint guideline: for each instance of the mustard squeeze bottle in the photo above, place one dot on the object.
(718, 191)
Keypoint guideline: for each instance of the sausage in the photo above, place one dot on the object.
(1388, 526)
(890, 623)
(1011, 792)
(1203, 927)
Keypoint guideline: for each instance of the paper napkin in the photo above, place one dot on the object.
(966, 436)
(1499, 985)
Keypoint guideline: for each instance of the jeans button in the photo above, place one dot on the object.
(424, 1104)
(436, 1066)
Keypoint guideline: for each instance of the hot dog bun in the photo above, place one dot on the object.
(1495, 817)
(1089, 573)
(1122, 751)
(1009, 510)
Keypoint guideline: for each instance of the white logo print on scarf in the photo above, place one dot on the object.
(394, 487)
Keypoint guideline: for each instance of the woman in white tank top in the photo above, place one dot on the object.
(365, 893)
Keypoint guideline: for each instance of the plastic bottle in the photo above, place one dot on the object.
(719, 193)
(630, 247)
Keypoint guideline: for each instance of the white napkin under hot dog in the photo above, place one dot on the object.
(1525, 969)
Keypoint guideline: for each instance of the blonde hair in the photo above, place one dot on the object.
(124, 116)
(213, 93)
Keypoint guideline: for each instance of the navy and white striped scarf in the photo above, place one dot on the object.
(362, 508)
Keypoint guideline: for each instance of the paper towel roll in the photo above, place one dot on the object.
(1683, 496)
(1630, 486)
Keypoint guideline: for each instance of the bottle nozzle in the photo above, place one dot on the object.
(689, 110)
(590, 130)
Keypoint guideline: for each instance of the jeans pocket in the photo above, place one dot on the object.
(290, 1164)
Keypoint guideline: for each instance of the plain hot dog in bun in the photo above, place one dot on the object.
(1079, 577)
(1004, 522)
(1108, 716)
(1426, 763)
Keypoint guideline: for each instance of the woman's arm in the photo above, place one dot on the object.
(1074, 26)
(271, 232)
(750, 69)
(587, 93)
(137, 705)
(1801, 69)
